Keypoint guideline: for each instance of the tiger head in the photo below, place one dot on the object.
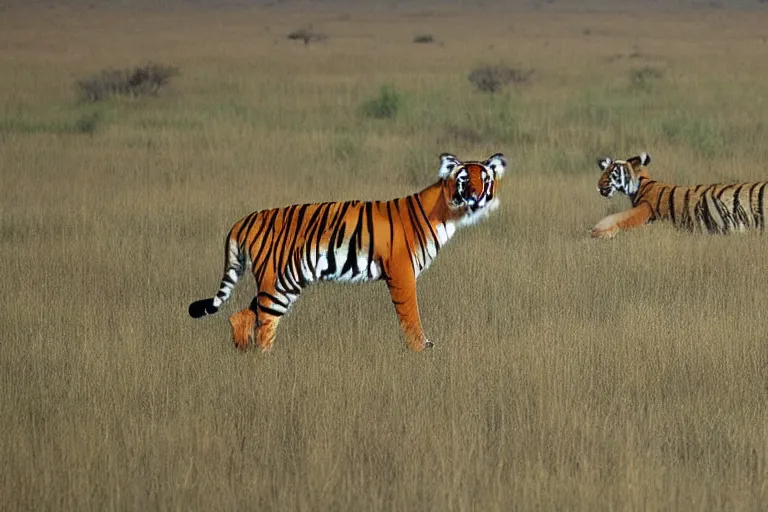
(621, 175)
(470, 188)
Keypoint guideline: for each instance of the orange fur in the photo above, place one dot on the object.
(289, 248)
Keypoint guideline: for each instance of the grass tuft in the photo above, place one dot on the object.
(423, 38)
(494, 78)
(145, 80)
(385, 105)
(306, 35)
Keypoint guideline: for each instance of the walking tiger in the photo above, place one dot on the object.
(290, 248)
(717, 208)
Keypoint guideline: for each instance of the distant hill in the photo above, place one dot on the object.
(553, 5)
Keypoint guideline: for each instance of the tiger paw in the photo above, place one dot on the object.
(605, 234)
(420, 345)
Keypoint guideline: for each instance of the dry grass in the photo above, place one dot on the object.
(569, 373)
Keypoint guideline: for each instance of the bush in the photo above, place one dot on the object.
(643, 78)
(493, 78)
(306, 35)
(385, 106)
(144, 80)
(424, 38)
(87, 123)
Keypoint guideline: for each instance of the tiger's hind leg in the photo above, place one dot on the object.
(254, 319)
(243, 326)
(265, 332)
(269, 306)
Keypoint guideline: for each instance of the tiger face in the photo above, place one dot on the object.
(470, 188)
(620, 175)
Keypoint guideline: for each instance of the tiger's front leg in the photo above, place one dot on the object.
(402, 289)
(612, 224)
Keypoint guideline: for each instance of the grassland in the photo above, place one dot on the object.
(568, 373)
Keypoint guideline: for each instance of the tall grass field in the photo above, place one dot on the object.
(567, 374)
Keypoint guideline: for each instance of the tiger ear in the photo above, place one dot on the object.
(640, 160)
(497, 163)
(448, 163)
(604, 163)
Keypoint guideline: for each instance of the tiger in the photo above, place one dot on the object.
(290, 248)
(715, 209)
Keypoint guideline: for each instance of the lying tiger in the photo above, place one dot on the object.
(717, 208)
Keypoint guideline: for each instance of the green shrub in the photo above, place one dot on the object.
(643, 78)
(424, 38)
(385, 106)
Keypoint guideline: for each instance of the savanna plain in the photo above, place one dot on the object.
(568, 373)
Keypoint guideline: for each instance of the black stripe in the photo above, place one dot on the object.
(417, 229)
(278, 245)
(314, 227)
(752, 205)
(341, 231)
(409, 249)
(278, 248)
(246, 226)
(725, 214)
(739, 214)
(426, 221)
(705, 216)
(354, 242)
(291, 263)
(278, 241)
(261, 219)
(284, 279)
(273, 299)
(321, 230)
(339, 216)
(330, 253)
(391, 225)
(299, 224)
(722, 191)
(294, 275)
(671, 204)
(369, 213)
(405, 235)
(644, 184)
(270, 311)
(686, 221)
(264, 237)
(760, 206)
